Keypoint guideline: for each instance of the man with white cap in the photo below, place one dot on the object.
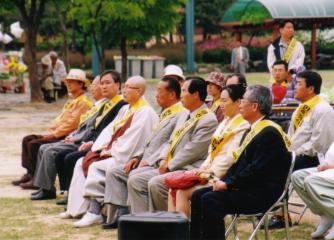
(174, 72)
(64, 124)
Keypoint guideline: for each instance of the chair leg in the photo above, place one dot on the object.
(235, 230)
(266, 230)
(286, 218)
(231, 226)
(254, 226)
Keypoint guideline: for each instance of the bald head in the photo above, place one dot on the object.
(138, 82)
(134, 88)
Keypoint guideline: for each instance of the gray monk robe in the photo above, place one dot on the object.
(146, 188)
(46, 171)
(116, 178)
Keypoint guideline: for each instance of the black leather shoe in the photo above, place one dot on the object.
(276, 222)
(36, 192)
(44, 195)
(62, 201)
(112, 225)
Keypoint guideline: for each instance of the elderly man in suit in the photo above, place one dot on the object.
(256, 179)
(186, 148)
(239, 58)
(168, 97)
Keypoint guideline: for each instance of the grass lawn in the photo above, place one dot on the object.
(21, 218)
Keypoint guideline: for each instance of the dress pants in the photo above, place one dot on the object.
(45, 174)
(96, 179)
(147, 191)
(316, 189)
(30, 147)
(209, 208)
(65, 167)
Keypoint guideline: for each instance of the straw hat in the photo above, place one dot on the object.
(173, 70)
(46, 60)
(216, 78)
(77, 75)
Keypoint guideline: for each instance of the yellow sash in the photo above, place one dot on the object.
(215, 105)
(179, 133)
(256, 129)
(140, 103)
(303, 110)
(91, 112)
(171, 111)
(289, 51)
(71, 102)
(217, 142)
(107, 107)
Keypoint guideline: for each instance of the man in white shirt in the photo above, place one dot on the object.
(310, 129)
(286, 48)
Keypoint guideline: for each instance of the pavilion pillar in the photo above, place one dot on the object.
(314, 45)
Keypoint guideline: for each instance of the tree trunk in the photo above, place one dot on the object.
(62, 19)
(30, 57)
(124, 59)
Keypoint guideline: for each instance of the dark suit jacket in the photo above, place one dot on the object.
(263, 166)
(108, 118)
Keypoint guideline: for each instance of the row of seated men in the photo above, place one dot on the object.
(123, 162)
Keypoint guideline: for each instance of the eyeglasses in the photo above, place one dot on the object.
(131, 87)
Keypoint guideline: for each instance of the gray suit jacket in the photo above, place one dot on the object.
(160, 136)
(193, 146)
(88, 126)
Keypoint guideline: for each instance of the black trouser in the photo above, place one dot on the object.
(304, 161)
(209, 208)
(65, 167)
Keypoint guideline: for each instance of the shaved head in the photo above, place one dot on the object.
(137, 81)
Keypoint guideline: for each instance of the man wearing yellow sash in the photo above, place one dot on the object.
(52, 155)
(310, 130)
(220, 153)
(214, 88)
(312, 135)
(286, 48)
(256, 179)
(123, 138)
(64, 124)
(186, 148)
(168, 98)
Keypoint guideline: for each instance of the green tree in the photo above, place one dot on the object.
(30, 14)
(119, 22)
(208, 15)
